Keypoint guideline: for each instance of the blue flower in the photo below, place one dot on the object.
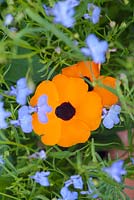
(1, 160)
(43, 108)
(132, 160)
(67, 194)
(116, 170)
(39, 155)
(3, 115)
(92, 191)
(24, 119)
(95, 49)
(111, 117)
(8, 19)
(47, 9)
(93, 13)
(41, 178)
(21, 91)
(63, 12)
(73, 3)
(77, 181)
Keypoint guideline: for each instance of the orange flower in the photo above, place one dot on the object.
(75, 111)
(91, 71)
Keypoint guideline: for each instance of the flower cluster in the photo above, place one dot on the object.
(116, 170)
(66, 109)
(93, 13)
(72, 104)
(63, 12)
(78, 184)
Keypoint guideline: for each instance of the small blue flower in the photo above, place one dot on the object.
(24, 119)
(48, 10)
(132, 160)
(63, 13)
(1, 160)
(95, 49)
(67, 194)
(77, 182)
(8, 19)
(116, 170)
(111, 117)
(43, 108)
(21, 91)
(41, 178)
(73, 3)
(92, 191)
(39, 155)
(3, 115)
(93, 13)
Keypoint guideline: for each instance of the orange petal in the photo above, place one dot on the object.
(90, 110)
(46, 88)
(61, 83)
(73, 132)
(50, 132)
(83, 68)
(70, 90)
(108, 98)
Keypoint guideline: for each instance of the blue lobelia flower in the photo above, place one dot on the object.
(116, 170)
(67, 194)
(42, 109)
(8, 19)
(24, 120)
(39, 155)
(1, 160)
(63, 12)
(95, 49)
(3, 115)
(92, 191)
(21, 91)
(111, 117)
(41, 178)
(132, 160)
(77, 181)
(48, 10)
(74, 3)
(93, 13)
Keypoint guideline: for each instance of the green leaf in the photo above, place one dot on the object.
(20, 67)
(53, 29)
(60, 154)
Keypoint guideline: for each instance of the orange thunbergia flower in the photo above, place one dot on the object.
(91, 71)
(74, 111)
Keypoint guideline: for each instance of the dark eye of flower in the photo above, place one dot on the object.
(65, 111)
(88, 81)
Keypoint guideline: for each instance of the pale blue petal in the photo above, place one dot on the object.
(86, 51)
(41, 178)
(108, 122)
(43, 108)
(68, 195)
(63, 13)
(25, 119)
(116, 170)
(132, 160)
(77, 181)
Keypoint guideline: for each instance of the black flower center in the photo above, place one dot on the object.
(65, 111)
(88, 81)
